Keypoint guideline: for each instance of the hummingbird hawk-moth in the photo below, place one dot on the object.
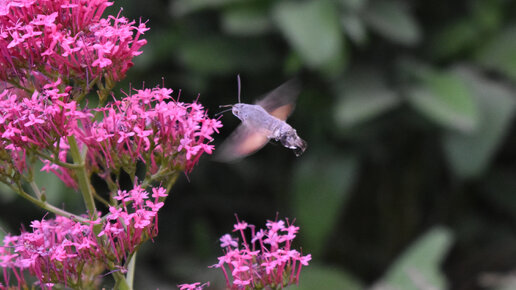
(261, 122)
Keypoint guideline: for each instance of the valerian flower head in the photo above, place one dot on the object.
(267, 263)
(56, 251)
(151, 127)
(68, 252)
(37, 121)
(65, 38)
(147, 126)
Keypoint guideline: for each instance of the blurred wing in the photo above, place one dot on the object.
(242, 142)
(281, 101)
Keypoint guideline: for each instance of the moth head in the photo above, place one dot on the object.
(239, 111)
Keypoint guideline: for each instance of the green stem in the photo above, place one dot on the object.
(82, 177)
(57, 161)
(45, 205)
(101, 200)
(35, 188)
(120, 282)
(162, 173)
(130, 270)
(87, 89)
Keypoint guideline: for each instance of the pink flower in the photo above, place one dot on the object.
(228, 241)
(53, 252)
(39, 122)
(291, 232)
(158, 192)
(193, 286)
(150, 126)
(271, 266)
(65, 38)
(62, 250)
(240, 226)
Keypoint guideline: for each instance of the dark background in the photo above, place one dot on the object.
(407, 108)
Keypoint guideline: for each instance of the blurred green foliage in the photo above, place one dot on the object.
(416, 267)
(407, 107)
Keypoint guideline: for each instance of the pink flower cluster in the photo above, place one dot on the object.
(133, 222)
(268, 262)
(152, 127)
(148, 126)
(65, 251)
(37, 121)
(52, 54)
(55, 251)
(65, 38)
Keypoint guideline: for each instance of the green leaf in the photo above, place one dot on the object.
(419, 266)
(354, 27)
(313, 30)
(362, 97)
(468, 32)
(499, 53)
(445, 99)
(321, 185)
(488, 15)
(245, 21)
(320, 277)
(469, 153)
(454, 39)
(393, 21)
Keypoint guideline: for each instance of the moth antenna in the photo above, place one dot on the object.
(225, 106)
(239, 86)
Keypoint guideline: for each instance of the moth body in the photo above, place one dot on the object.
(262, 122)
(256, 118)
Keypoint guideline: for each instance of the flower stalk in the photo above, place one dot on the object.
(82, 177)
(45, 205)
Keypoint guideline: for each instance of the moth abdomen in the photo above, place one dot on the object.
(300, 147)
(291, 140)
